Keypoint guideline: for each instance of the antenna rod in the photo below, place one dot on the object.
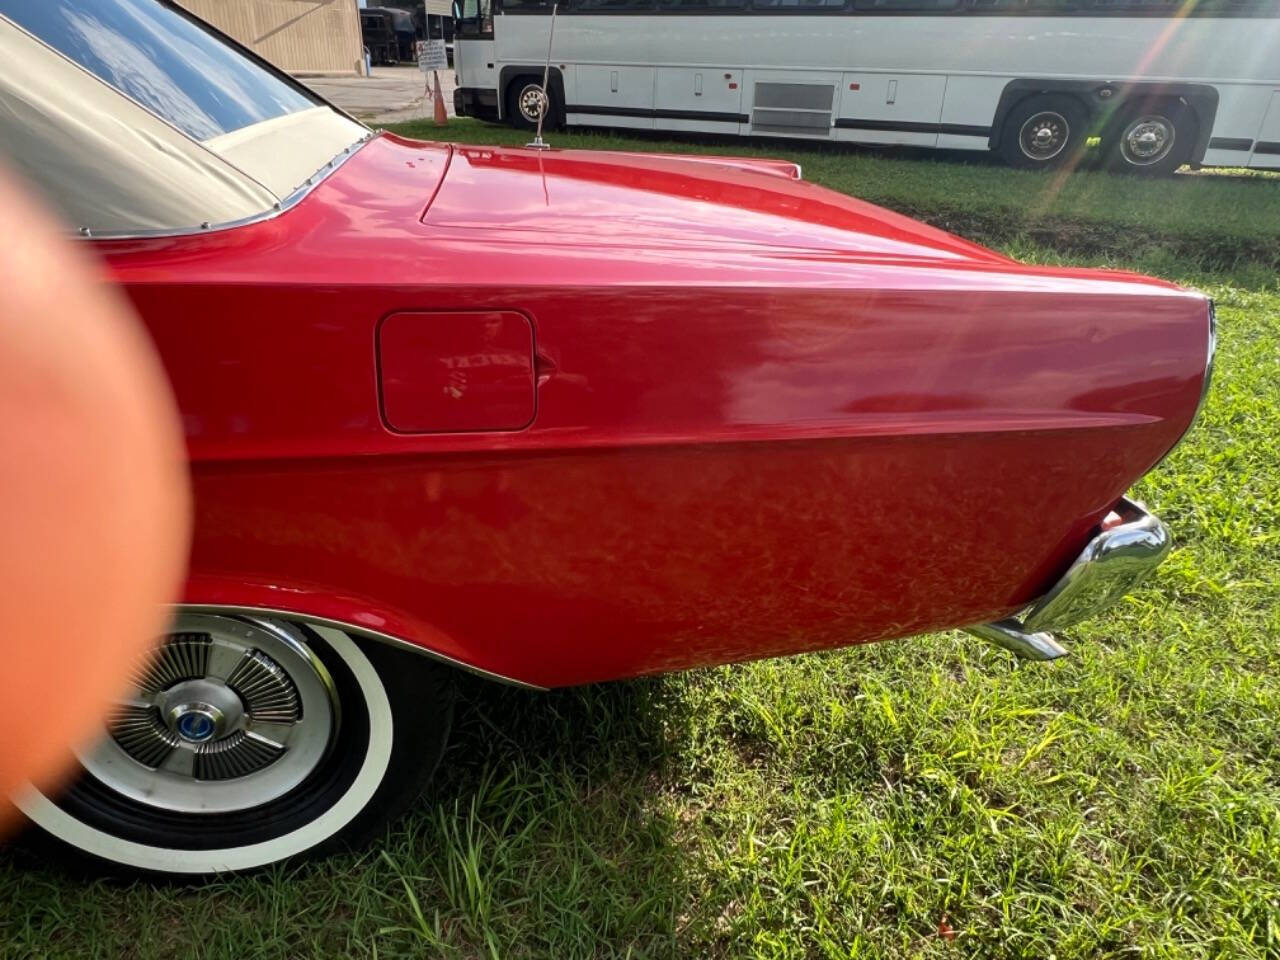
(537, 143)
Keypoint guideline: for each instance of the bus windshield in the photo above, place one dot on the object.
(473, 18)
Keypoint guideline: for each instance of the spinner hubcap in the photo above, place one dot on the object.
(225, 715)
(198, 711)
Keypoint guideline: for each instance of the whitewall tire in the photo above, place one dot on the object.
(247, 742)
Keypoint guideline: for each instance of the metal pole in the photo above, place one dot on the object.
(546, 96)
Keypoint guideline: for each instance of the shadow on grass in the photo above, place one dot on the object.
(546, 825)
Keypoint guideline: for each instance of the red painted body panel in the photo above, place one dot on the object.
(769, 418)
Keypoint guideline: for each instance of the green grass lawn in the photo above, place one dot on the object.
(1124, 801)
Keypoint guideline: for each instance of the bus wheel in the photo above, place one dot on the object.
(1153, 138)
(526, 101)
(1043, 132)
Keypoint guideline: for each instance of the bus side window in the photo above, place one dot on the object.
(613, 5)
(1106, 6)
(906, 4)
(1241, 8)
(798, 4)
(700, 4)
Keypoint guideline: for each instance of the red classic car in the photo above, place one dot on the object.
(554, 417)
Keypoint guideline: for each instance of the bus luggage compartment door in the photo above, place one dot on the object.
(891, 108)
(707, 99)
(612, 96)
(1266, 152)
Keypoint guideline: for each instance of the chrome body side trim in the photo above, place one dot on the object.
(1208, 364)
(306, 618)
(1112, 563)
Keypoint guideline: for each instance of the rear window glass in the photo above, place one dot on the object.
(162, 59)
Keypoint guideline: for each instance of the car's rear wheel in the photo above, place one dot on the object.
(250, 741)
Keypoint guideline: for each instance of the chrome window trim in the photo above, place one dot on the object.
(280, 206)
(296, 617)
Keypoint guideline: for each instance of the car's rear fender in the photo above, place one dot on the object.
(313, 604)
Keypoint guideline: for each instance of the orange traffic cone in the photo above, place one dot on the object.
(442, 115)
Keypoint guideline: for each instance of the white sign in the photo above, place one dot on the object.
(432, 56)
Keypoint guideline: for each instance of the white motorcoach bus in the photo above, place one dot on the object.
(1164, 83)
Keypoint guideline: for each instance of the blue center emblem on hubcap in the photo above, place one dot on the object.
(195, 727)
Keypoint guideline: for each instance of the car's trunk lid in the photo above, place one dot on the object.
(638, 201)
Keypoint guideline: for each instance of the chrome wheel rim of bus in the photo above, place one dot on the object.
(1044, 135)
(532, 102)
(1147, 139)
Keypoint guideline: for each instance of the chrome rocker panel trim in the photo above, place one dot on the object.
(1111, 564)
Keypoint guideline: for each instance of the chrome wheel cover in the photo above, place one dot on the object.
(1044, 135)
(227, 714)
(532, 102)
(1147, 139)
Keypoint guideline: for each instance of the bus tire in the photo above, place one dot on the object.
(1150, 137)
(1044, 131)
(523, 95)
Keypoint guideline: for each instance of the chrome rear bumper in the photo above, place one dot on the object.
(1129, 546)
